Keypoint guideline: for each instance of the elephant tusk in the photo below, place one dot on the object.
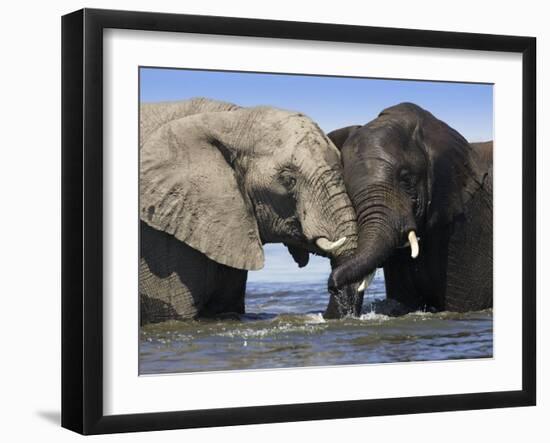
(366, 282)
(326, 245)
(414, 244)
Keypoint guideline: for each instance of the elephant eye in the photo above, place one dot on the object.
(288, 181)
(407, 180)
(405, 176)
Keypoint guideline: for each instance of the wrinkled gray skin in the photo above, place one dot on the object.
(218, 181)
(406, 170)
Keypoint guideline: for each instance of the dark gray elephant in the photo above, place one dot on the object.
(423, 197)
(218, 181)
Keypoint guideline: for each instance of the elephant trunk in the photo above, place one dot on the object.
(332, 226)
(376, 245)
(348, 301)
(385, 223)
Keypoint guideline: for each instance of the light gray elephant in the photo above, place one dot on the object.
(216, 182)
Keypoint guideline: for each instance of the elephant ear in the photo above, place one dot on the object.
(154, 115)
(339, 136)
(189, 189)
(454, 174)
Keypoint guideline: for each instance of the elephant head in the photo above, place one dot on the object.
(406, 172)
(228, 180)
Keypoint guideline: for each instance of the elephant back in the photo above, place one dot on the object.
(484, 151)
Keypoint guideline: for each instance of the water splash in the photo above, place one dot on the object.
(315, 319)
(373, 316)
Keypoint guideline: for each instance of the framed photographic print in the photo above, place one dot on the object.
(261, 218)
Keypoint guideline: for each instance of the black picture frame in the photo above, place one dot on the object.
(82, 215)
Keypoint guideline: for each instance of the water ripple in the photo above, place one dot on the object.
(284, 327)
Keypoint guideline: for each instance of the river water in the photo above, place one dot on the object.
(284, 328)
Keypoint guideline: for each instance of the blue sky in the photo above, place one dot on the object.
(332, 102)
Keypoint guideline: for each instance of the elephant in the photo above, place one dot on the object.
(217, 181)
(423, 197)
